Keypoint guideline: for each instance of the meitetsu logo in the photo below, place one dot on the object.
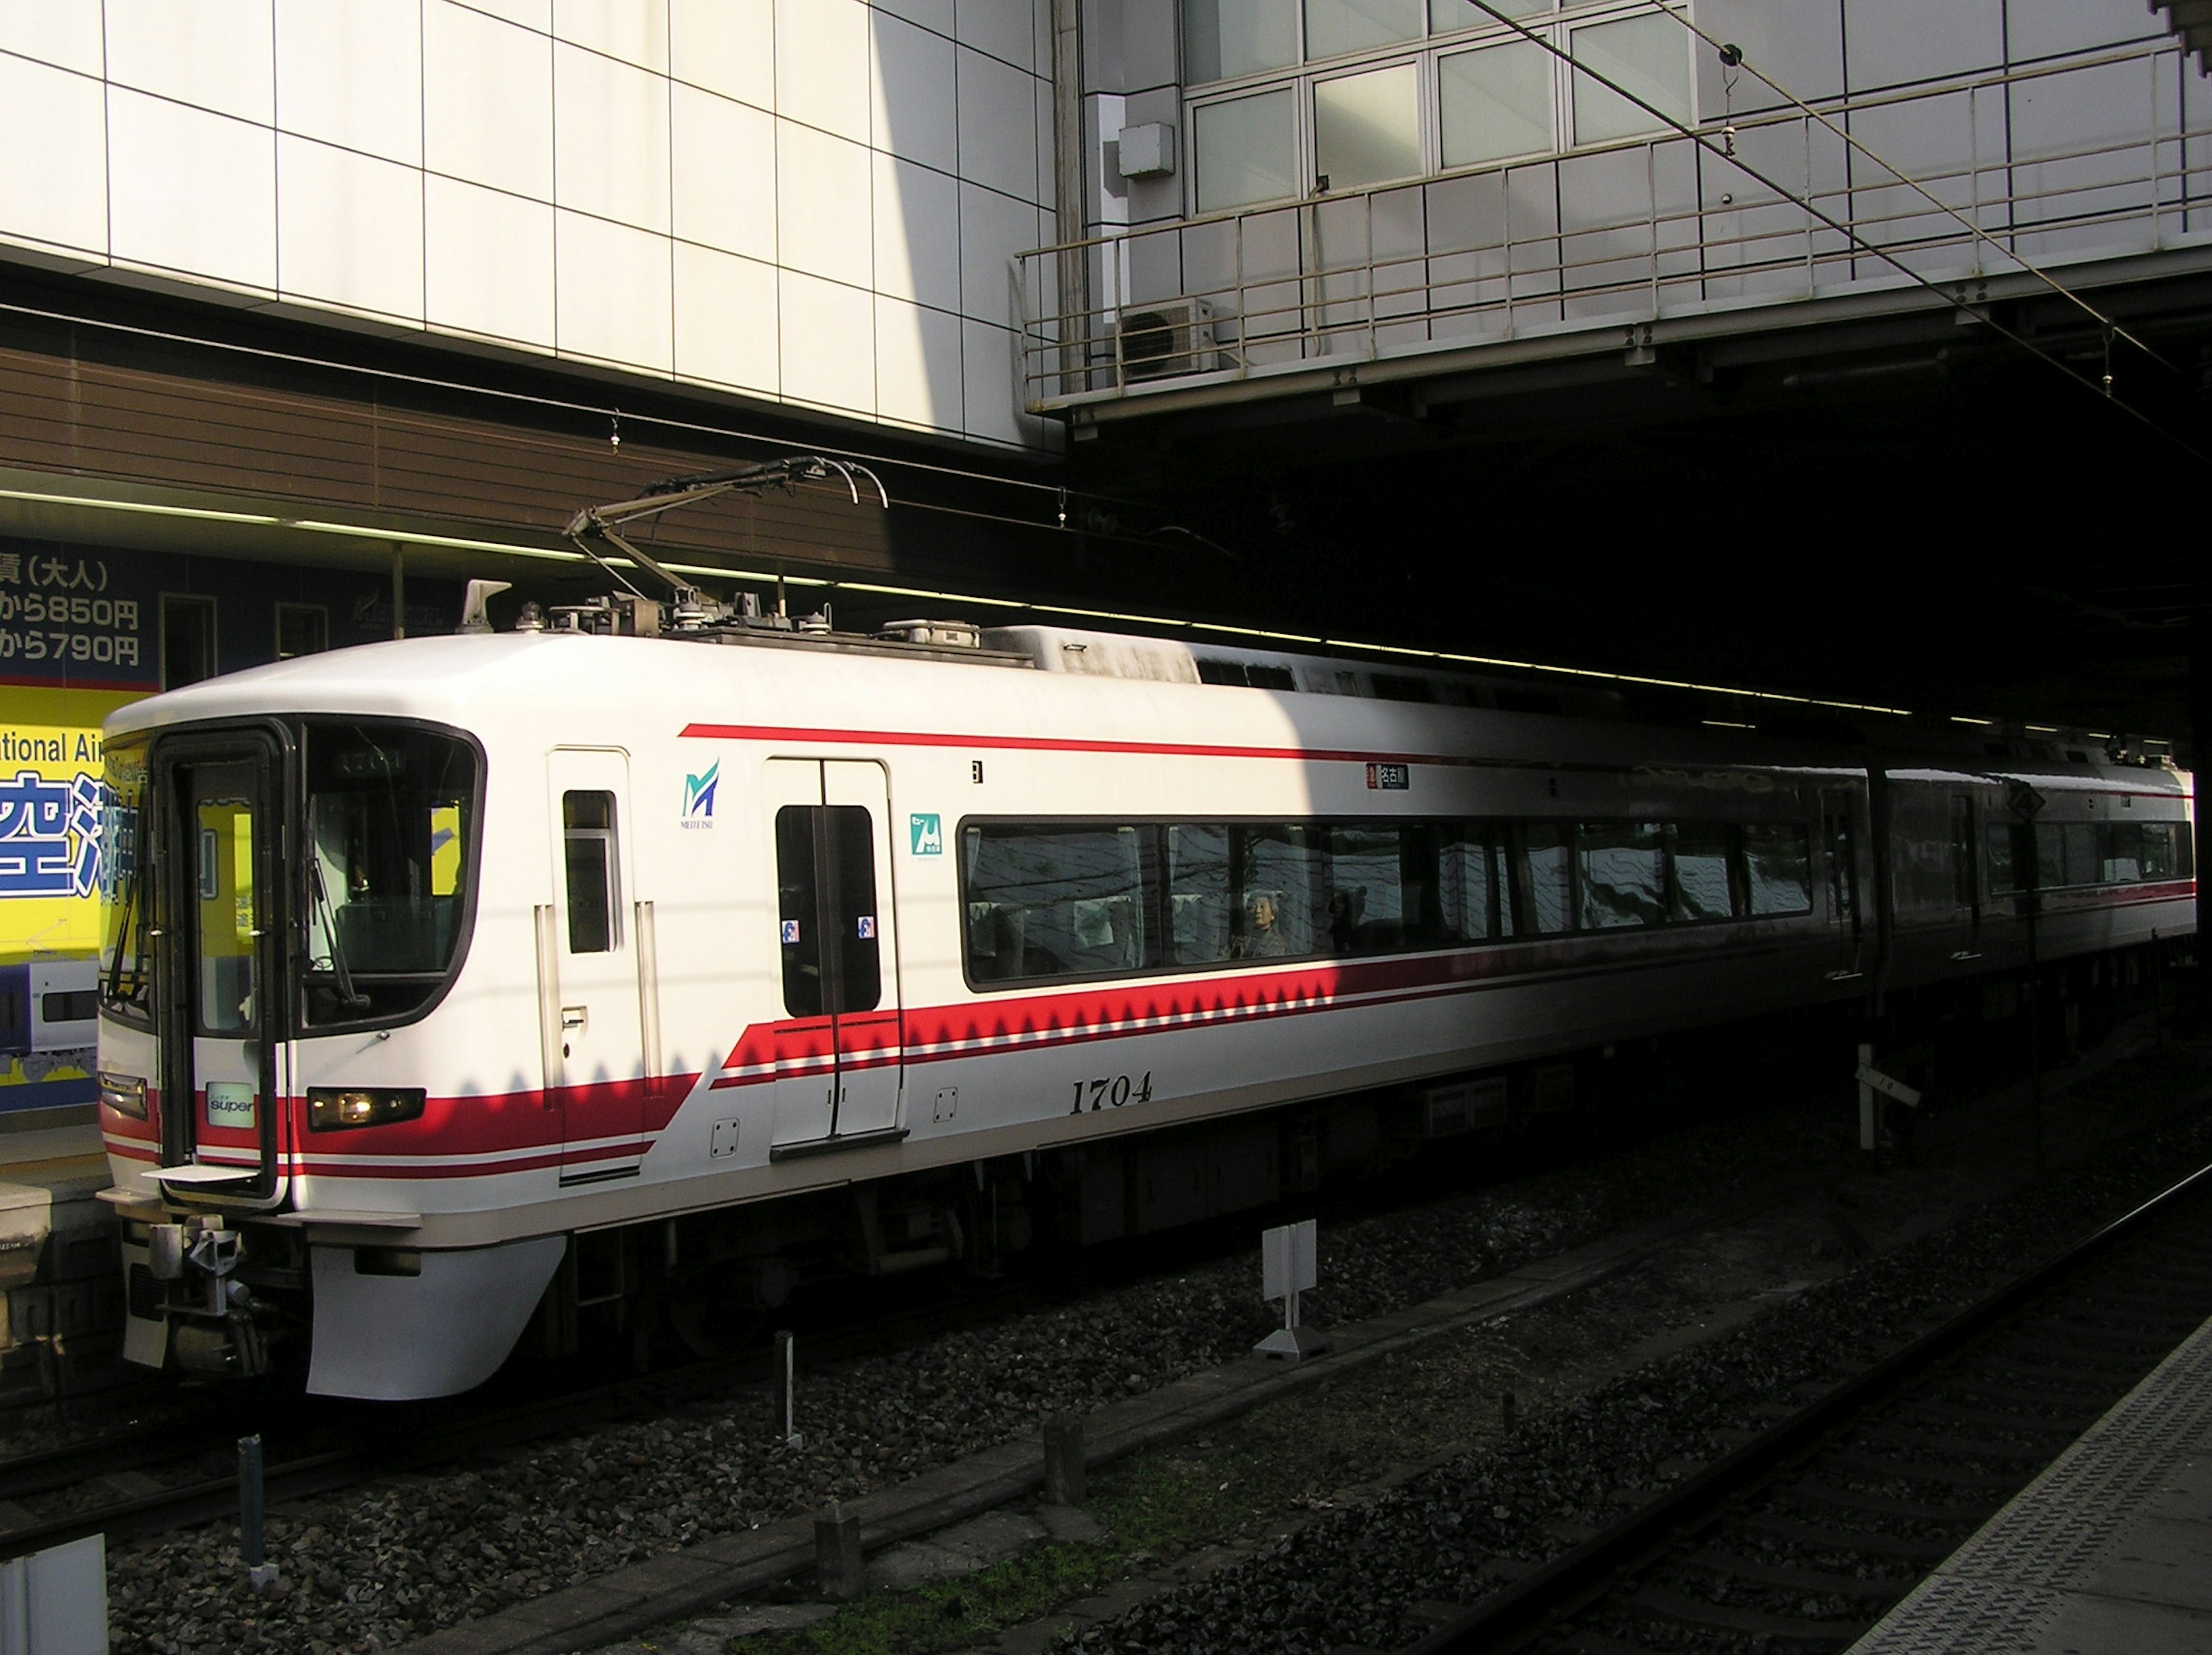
(699, 797)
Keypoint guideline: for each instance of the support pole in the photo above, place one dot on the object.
(1870, 1113)
(786, 1390)
(398, 589)
(259, 1575)
(838, 1563)
(1063, 1460)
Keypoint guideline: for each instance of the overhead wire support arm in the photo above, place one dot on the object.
(1720, 151)
(596, 523)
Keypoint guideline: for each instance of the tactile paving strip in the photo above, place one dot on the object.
(2003, 1586)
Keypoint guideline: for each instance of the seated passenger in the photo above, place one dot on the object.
(1263, 931)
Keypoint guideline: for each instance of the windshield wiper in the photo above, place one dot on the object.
(113, 989)
(352, 1000)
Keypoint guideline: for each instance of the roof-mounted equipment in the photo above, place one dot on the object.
(689, 609)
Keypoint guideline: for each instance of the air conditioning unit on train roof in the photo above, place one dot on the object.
(1158, 341)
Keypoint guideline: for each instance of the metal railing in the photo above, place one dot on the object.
(1623, 234)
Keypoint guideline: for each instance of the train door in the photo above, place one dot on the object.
(838, 1057)
(587, 970)
(222, 942)
(1840, 843)
(1965, 881)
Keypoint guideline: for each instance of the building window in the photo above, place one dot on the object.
(1650, 55)
(1494, 104)
(301, 629)
(1226, 38)
(1336, 26)
(1367, 127)
(1443, 85)
(1246, 150)
(187, 640)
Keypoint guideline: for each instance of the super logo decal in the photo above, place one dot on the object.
(926, 834)
(699, 797)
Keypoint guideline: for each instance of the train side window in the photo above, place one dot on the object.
(1997, 841)
(1056, 901)
(1546, 851)
(1702, 889)
(1468, 884)
(1778, 869)
(1198, 893)
(587, 838)
(2158, 840)
(68, 1006)
(1624, 874)
(1963, 884)
(1280, 870)
(850, 842)
(799, 910)
(2120, 851)
(1367, 897)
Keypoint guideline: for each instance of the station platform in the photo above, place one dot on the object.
(2109, 1552)
(61, 1284)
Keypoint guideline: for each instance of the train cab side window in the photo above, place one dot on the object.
(587, 838)
(1704, 886)
(1778, 869)
(1624, 874)
(1998, 839)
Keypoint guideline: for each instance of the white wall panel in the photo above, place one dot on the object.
(916, 117)
(529, 13)
(1004, 28)
(61, 119)
(822, 211)
(829, 345)
(727, 47)
(349, 228)
(487, 262)
(998, 125)
(350, 72)
(212, 53)
(987, 378)
(488, 101)
(934, 15)
(726, 319)
(191, 191)
(917, 233)
(635, 31)
(723, 158)
(917, 365)
(613, 293)
(822, 75)
(63, 33)
(993, 230)
(610, 138)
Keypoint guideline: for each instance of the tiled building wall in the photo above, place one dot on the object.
(814, 201)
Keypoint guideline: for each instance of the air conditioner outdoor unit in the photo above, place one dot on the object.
(1173, 336)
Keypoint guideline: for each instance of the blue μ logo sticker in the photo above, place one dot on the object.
(924, 834)
(699, 797)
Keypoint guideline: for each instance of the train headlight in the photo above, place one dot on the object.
(123, 1093)
(336, 1109)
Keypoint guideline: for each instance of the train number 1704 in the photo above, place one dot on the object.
(1112, 1091)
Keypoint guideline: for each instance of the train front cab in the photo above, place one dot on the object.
(286, 900)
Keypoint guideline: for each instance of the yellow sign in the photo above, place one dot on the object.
(50, 850)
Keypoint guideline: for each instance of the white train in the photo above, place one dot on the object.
(462, 985)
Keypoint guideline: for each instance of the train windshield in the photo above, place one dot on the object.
(127, 978)
(390, 820)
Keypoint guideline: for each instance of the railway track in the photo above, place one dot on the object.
(1800, 1537)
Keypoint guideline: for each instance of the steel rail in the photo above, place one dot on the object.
(1522, 1610)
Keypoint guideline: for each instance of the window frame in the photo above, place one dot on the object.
(1425, 51)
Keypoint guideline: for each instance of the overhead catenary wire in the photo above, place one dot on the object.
(1828, 220)
(1735, 57)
